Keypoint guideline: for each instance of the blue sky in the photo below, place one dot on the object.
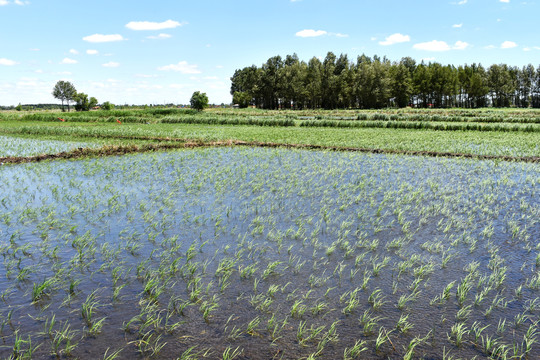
(155, 52)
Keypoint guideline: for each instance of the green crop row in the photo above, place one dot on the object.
(466, 142)
(421, 125)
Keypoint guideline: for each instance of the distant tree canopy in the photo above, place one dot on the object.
(199, 101)
(241, 98)
(83, 103)
(64, 91)
(107, 106)
(372, 83)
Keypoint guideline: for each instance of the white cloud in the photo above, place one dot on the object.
(433, 45)
(395, 39)
(92, 52)
(27, 83)
(428, 59)
(7, 62)
(508, 45)
(3, 2)
(505, 1)
(146, 76)
(489, 47)
(217, 85)
(373, 38)
(160, 36)
(111, 64)
(436, 45)
(460, 45)
(99, 38)
(21, 3)
(68, 61)
(219, 66)
(182, 67)
(340, 35)
(148, 25)
(462, 2)
(311, 33)
(457, 26)
(73, 51)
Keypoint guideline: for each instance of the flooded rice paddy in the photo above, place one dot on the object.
(270, 254)
(13, 146)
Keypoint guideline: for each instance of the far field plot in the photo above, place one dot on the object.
(14, 146)
(270, 253)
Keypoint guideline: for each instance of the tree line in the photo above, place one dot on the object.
(374, 83)
(66, 92)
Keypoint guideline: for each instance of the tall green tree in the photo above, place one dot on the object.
(64, 91)
(422, 85)
(535, 89)
(478, 90)
(343, 82)
(313, 83)
(242, 98)
(199, 101)
(291, 82)
(328, 81)
(83, 103)
(401, 84)
(271, 82)
(107, 105)
(500, 85)
(525, 84)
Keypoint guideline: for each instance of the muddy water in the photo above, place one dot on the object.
(290, 253)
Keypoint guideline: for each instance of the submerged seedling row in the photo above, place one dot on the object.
(270, 253)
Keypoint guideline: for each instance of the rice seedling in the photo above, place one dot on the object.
(355, 351)
(368, 322)
(382, 338)
(40, 290)
(252, 326)
(403, 325)
(376, 299)
(489, 344)
(22, 349)
(352, 303)
(457, 333)
(62, 342)
(413, 344)
(230, 353)
(463, 314)
(113, 355)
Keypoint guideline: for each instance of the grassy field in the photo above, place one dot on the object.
(481, 132)
(276, 252)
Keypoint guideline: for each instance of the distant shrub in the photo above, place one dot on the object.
(107, 106)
